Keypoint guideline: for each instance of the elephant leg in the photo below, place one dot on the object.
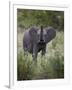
(34, 55)
(43, 51)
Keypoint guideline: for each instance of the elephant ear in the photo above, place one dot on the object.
(51, 33)
(33, 33)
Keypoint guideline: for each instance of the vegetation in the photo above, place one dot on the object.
(28, 18)
(50, 66)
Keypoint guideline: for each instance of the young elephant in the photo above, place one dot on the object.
(35, 40)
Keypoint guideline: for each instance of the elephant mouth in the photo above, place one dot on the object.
(41, 43)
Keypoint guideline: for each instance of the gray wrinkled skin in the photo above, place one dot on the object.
(35, 40)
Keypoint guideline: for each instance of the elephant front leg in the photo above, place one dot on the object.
(34, 55)
(43, 51)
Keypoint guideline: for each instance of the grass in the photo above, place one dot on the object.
(50, 66)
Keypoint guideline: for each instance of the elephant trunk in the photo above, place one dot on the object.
(41, 34)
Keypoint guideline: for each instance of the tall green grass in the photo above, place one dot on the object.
(50, 66)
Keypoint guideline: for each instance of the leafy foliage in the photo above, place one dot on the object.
(27, 18)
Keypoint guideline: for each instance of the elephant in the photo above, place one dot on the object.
(35, 40)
